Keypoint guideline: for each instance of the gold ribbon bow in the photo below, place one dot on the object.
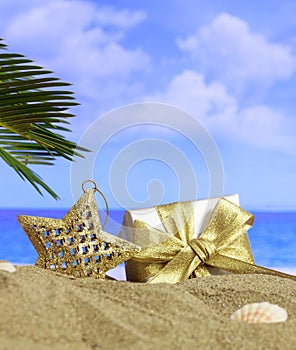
(178, 255)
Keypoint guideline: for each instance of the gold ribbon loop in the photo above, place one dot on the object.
(223, 244)
(203, 248)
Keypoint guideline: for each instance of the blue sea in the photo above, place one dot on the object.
(272, 237)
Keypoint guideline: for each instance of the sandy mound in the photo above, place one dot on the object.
(44, 310)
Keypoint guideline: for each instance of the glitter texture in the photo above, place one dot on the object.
(223, 244)
(77, 245)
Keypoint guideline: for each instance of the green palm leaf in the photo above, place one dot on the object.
(33, 113)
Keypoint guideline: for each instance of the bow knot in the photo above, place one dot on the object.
(222, 244)
(203, 248)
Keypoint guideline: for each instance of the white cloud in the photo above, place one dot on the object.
(70, 16)
(190, 91)
(257, 125)
(123, 19)
(81, 42)
(229, 51)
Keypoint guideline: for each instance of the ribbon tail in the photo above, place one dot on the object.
(151, 260)
(200, 271)
(179, 268)
(157, 249)
(242, 267)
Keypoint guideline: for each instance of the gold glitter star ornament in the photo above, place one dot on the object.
(77, 245)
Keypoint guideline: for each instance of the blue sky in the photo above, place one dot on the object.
(230, 65)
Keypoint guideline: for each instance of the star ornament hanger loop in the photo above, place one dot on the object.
(76, 244)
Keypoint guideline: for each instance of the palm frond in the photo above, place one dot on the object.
(33, 111)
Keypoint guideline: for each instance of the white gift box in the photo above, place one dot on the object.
(202, 213)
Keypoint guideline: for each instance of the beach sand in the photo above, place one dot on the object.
(44, 310)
